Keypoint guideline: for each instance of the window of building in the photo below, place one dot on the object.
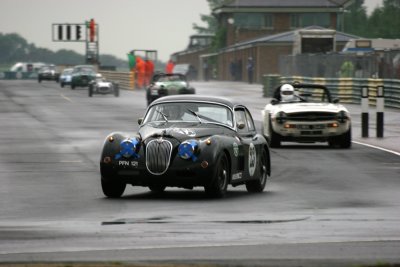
(309, 19)
(253, 20)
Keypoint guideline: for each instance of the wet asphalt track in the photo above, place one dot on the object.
(322, 206)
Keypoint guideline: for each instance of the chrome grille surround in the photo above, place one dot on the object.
(158, 156)
(312, 116)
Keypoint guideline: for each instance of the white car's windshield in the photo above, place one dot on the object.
(190, 112)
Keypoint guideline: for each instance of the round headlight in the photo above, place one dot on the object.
(281, 117)
(342, 116)
(129, 147)
(188, 149)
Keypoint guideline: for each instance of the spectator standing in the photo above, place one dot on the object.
(170, 66)
(205, 70)
(141, 70)
(232, 70)
(149, 67)
(250, 69)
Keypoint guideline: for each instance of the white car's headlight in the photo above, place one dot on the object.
(281, 117)
(342, 116)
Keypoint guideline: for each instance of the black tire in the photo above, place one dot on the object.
(112, 189)
(62, 85)
(342, 141)
(39, 80)
(274, 138)
(157, 188)
(219, 184)
(72, 86)
(345, 141)
(90, 90)
(258, 185)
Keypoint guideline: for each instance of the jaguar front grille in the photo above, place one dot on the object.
(158, 156)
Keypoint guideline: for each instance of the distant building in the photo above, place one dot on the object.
(199, 44)
(249, 19)
(265, 30)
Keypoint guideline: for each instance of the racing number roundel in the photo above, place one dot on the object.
(252, 159)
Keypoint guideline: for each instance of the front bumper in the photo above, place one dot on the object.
(320, 130)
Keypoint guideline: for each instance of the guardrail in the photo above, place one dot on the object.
(348, 90)
(123, 78)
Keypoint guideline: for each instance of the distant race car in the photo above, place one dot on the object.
(49, 73)
(187, 141)
(65, 77)
(101, 86)
(164, 84)
(306, 113)
(82, 75)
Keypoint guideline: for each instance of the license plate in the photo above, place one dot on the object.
(310, 127)
(128, 163)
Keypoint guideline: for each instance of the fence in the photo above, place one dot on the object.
(383, 65)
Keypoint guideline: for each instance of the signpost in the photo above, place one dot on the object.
(87, 32)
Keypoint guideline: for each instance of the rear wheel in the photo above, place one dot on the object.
(219, 184)
(258, 185)
(112, 189)
(62, 84)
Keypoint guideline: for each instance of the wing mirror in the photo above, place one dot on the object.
(241, 125)
(139, 121)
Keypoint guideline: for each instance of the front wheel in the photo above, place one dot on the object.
(112, 189)
(90, 90)
(219, 184)
(258, 185)
(274, 138)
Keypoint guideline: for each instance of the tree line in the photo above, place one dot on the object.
(383, 22)
(14, 48)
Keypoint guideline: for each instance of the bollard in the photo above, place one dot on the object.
(380, 105)
(364, 112)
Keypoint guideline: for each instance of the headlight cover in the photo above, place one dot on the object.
(281, 117)
(188, 149)
(342, 116)
(129, 148)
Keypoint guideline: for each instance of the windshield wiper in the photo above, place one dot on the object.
(195, 114)
(163, 115)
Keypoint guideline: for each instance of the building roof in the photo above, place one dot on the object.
(286, 3)
(288, 37)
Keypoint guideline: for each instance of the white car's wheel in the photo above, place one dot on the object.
(274, 138)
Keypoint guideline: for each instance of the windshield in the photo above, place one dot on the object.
(190, 112)
(312, 95)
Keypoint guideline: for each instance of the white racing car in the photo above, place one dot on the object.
(101, 86)
(306, 113)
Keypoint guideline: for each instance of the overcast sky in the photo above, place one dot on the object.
(163, 25)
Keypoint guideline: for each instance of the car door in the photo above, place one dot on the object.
(248, 141)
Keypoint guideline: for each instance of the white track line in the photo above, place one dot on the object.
(377, 147)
